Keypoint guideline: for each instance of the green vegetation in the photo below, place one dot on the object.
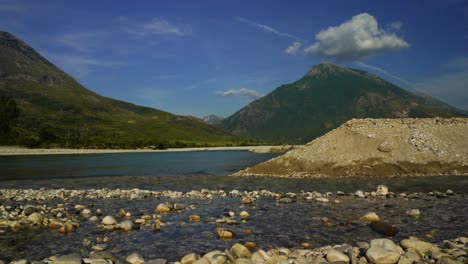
(56, 111)
(325, 98)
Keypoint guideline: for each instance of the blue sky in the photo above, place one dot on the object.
(214, 57)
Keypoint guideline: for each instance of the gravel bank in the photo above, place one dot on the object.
(377, 147)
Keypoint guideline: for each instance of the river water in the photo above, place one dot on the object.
(272, 224)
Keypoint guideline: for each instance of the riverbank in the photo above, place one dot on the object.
(15, 151)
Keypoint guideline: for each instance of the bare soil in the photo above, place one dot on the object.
(377, 147)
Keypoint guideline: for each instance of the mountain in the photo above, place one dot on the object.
(55, 110)
(325, 98)
(212, 120)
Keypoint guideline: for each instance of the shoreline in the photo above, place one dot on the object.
(20, 151)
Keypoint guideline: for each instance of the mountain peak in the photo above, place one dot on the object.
(325, 69)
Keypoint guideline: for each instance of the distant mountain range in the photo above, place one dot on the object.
(55, 110)
(212, 119)
(326, 97)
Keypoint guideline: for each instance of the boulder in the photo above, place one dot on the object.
(35, 218)
(419, 246)
(383, 251)
(240, 251)
(189, 258)
(135, 258)
(334, 255)
(126, 225)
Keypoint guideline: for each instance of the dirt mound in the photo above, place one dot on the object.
(377, 147)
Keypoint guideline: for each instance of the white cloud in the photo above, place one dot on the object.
(451, 87)
(292, 50)
(266, 28)
(355, 39)
(251, 94)
(155, 26)
(82, 41)
(362, 64)
(78, 65)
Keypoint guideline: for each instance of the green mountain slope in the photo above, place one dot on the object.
(55, 110)
(326, 97)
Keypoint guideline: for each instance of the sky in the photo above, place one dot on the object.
(214, 57)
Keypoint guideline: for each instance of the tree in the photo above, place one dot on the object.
(9, 113)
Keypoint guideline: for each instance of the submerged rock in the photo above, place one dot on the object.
(384, 228)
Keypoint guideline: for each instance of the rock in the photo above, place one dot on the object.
(86, 212)
(382, 251)
(156, 261)
(135, 258)
(162, 208)
(225, 233)
(178, 206)
(219, 259)
(69, 259)
(419, 246)
(243, 261)
(121, 213)
(67, 227)
(21, 261)
(250, 245)
(247, 200)
(102, 255)
(257, 258)
(210, 255)
(201, 261)
(384, 228)
(447, 260)
(322, 200)
(409, 258)
(35, 218)
(285, 200)
(240, 251)
(386, 147)
(413, 212)
(360, 194)
(55, 224)
(381, 190)
(363, 245)
(29, 210)
(109, 220)
(194, 218)
(93, 218)
(126, 225)
(369, 218)
(189, 258)
(334, 255)
(99, 247)
(244, 215)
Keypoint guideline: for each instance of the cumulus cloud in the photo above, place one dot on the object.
(155, 26)
(251, 94)
(292, 50)
(355, 40)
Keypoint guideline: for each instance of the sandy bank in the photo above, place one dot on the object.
(13, 151)
(378, 147)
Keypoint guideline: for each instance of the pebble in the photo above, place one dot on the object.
(69, 259)
(322, 200)
(381, 190)
(109, 220)
(194, 218)
(135, 258)
(370, 217)
(35, 218)
(162, 208)
(244, 215)
(224, 233)
(413, 212)
(126, 225)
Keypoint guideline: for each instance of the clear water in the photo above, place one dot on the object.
(273, 224)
